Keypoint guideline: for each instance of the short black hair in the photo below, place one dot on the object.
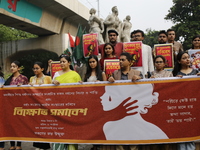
(160, 56)
(113, 31)
(162, 32)
(132, 33)
(128, 55)
(139, 31)
(169, 30)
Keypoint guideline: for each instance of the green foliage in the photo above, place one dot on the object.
(151, 37)
(11, 34)
(185, 15)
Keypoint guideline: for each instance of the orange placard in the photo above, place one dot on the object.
(135, 49)
(165, 50)
(90, 44)
(110, 66)
(55, 66)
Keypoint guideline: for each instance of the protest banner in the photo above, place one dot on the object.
(95, 113)
(165, 50)
(135, 49)
(90, 44)
(195, 58)
(110, 65)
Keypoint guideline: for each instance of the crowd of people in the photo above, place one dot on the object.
(153, 67)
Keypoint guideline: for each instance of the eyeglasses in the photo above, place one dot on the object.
(35, 69)
(91, 62)
(159, 62)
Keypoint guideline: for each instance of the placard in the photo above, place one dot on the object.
(195, 58)
(90, 44)
(110, 65)
(55, 66)
(135, 49)
(165, 50)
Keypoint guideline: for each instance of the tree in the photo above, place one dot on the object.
(185, 15)
(11, 34)
(151, 37)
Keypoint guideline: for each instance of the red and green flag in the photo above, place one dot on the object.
(78, 50)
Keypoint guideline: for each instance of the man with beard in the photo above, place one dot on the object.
(162, 37)
(112, 35)
(177, 47)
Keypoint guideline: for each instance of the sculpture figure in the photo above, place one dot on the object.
(96, 25)
(112, 22)
(126, 29)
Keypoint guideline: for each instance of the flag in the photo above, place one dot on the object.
(71, 40)
(70, 46)
(78, 50)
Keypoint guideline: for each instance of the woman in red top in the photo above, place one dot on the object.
(109, 53)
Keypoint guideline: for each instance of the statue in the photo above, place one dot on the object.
(112, 22)
(96, 25)
(126, 29)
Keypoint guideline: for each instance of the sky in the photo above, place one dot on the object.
(144, 13)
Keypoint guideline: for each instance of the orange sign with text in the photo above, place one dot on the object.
(135, 49)
(165, 50)
(55, 66)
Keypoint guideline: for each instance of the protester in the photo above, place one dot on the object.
(132, 36)
(94, 72)
(125, 72)
(147, 59)
(196, 42)
(182, 66)
(15, 79)
(112, 35)
(66, 75)
(38, 79)
(195, 53)
(109, 53)
(48, 72)
(162, 37)
(177, 47)
(159, 72)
